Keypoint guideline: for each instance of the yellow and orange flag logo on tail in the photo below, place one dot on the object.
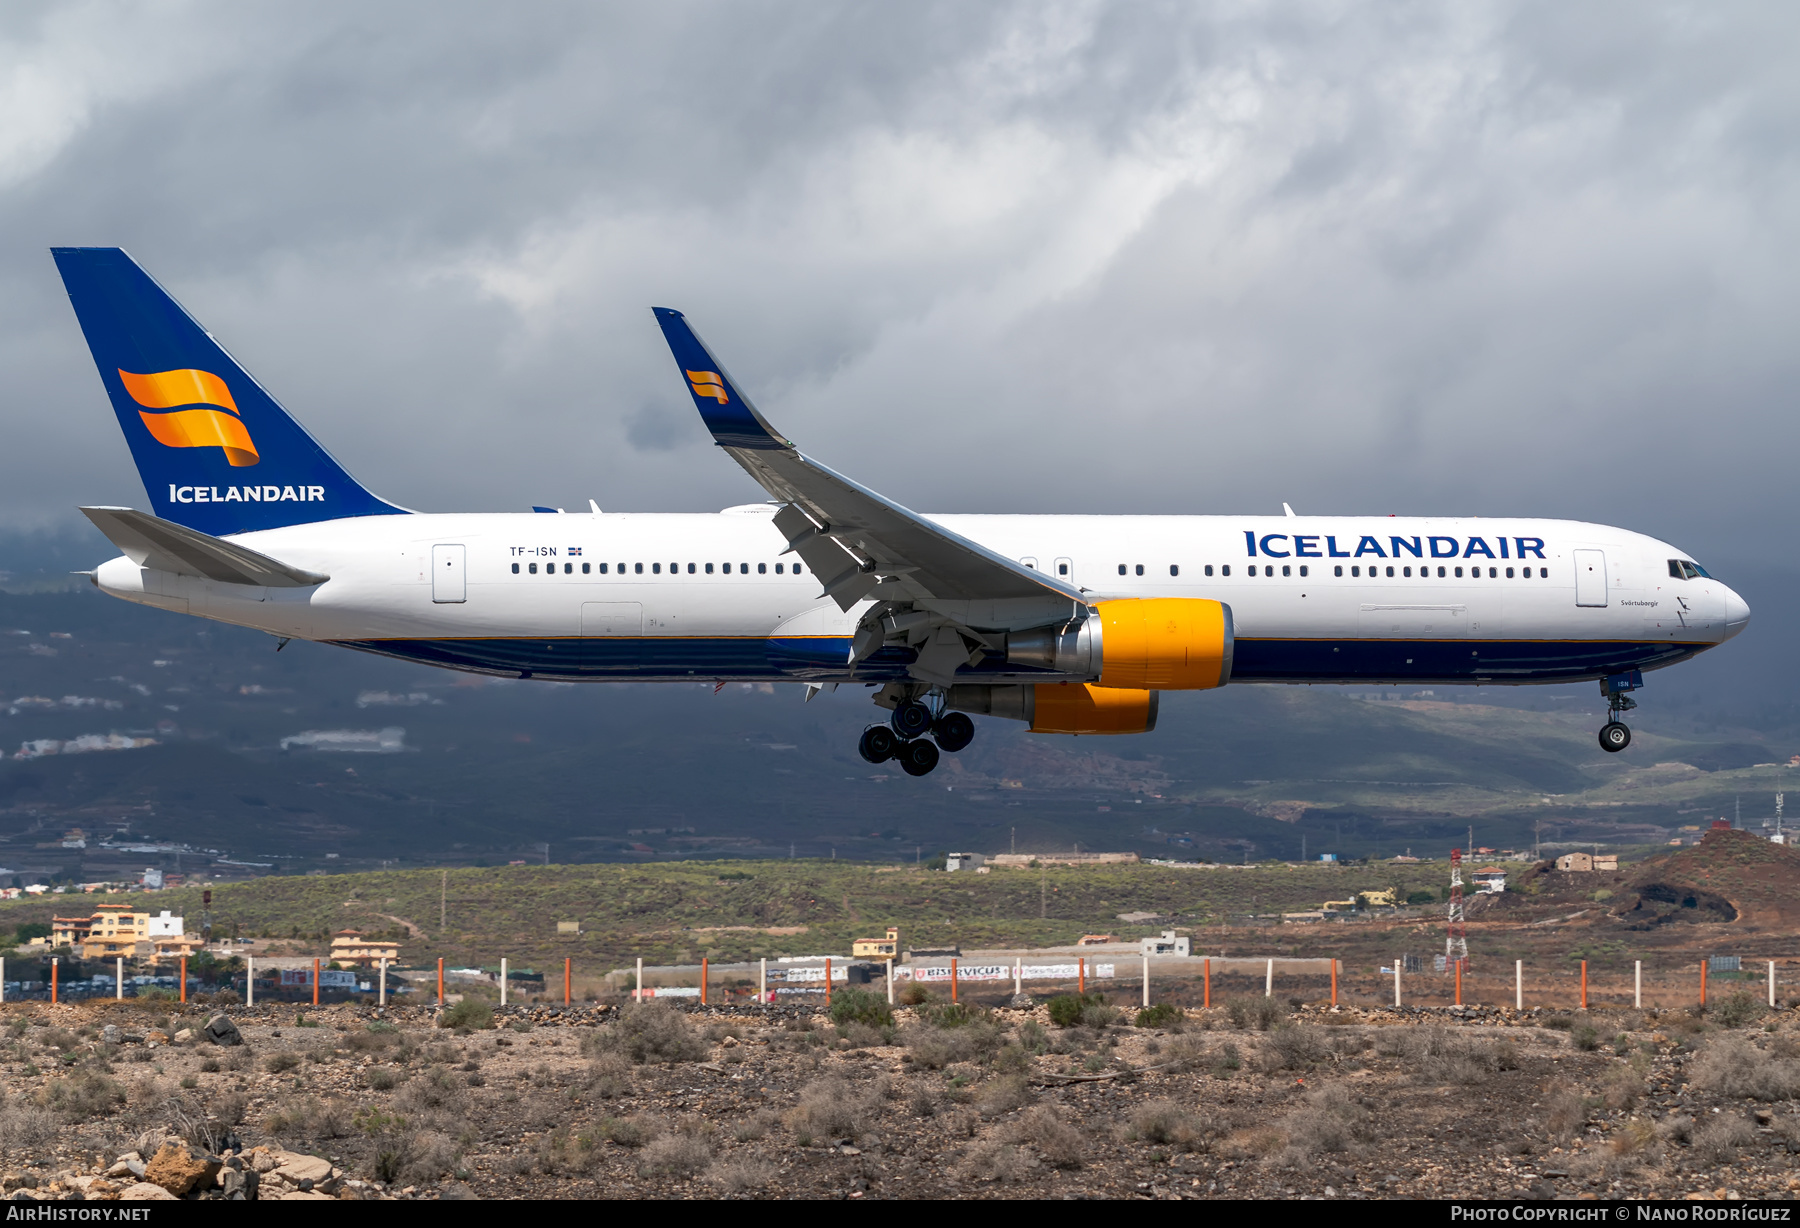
(708, 384)
(191, 428)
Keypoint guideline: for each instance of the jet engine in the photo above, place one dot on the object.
(1062, 707)
(1155, 643)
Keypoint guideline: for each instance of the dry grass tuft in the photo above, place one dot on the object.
(1734, 1067)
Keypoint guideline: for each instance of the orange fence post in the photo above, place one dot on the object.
(184, 978)
(53, 979)
(1702, 982)
(568, 977)
(1459, 965)
(316, 981)
(1206, 990)
(1584, 984)
(953, 980)
(1334, 963)
(703, 980)
(1081, 975)
(828, 983)
(440, 980)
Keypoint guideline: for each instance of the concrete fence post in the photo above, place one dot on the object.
(762, 979)
(1018, 976)
(1396, 980)
(1771, 984)
(1637, 984)
(1269, 981)
(890, 982)
(381, 982)
(249, 979)
(1146, 982)
(440, 980)
(639, 994)
(119, 980)
(2, 980)
(568, 977)
(1334, 972)
(1518, 984)
(502, 979)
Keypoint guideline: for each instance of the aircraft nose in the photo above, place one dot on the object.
(1737, 613)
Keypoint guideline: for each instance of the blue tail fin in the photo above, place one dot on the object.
(727, 412)
(215, 451)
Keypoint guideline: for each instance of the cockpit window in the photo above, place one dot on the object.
(1681, 569)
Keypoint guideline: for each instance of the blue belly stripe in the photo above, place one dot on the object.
(825, 659)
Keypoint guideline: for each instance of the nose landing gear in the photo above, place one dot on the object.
(1615, 736)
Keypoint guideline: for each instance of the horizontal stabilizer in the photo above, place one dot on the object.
(166, 546)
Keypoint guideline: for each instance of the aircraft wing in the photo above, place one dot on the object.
(858, 543)
(166, 546)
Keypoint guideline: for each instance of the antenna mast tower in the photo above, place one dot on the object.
(1456, 942)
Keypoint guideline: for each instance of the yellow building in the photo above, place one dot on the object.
(351, 950)
(878, 948)
(117, 930)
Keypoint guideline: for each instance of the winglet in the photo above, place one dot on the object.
(727, 412)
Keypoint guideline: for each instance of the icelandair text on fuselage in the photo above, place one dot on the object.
(1641, 1212)
(1307, 546)
(247, 494)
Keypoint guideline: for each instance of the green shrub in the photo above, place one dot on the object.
(1162, 1015)
(1560, 1023)
(1585, 1038)
(914, 994)
(950, 1014)
(1737, 1010)
(473, 1013)
(1421, 897)
(653, 1032)
(1066, 1009)
(279, 1063)
(1258, 1013)
(852, 1005)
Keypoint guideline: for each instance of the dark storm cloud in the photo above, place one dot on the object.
(1506, 258)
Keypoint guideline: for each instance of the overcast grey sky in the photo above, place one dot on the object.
(1470, 258)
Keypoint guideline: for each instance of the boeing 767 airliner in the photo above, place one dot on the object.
(1072, 624)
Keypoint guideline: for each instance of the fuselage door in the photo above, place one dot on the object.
(448, 581)
(1590, 578)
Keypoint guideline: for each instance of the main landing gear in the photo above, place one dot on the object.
(904, 737)
(1615, 736)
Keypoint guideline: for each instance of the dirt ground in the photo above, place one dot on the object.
(1255, 1098)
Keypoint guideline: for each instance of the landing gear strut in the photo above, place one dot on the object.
(1615, 736)
(904, 739)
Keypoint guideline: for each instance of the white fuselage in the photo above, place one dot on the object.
(689, 597)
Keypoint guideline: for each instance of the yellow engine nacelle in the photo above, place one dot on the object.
(1135, 644)
(1062, 707)
(1165, 643)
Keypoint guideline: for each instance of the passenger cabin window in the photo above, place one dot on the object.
(762, 569)
(1286, 570)
(1209, 569)
(1062, 569)
(1121, 569)
(587, 568)
(656, 569)
(515, 569)
(1303, 571)
(1225, 570)
(1029, 562)
(533, 568)
(1338, 570)
(1174, 569)
(1390, 572)
(1140, 569)
(708, 568)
